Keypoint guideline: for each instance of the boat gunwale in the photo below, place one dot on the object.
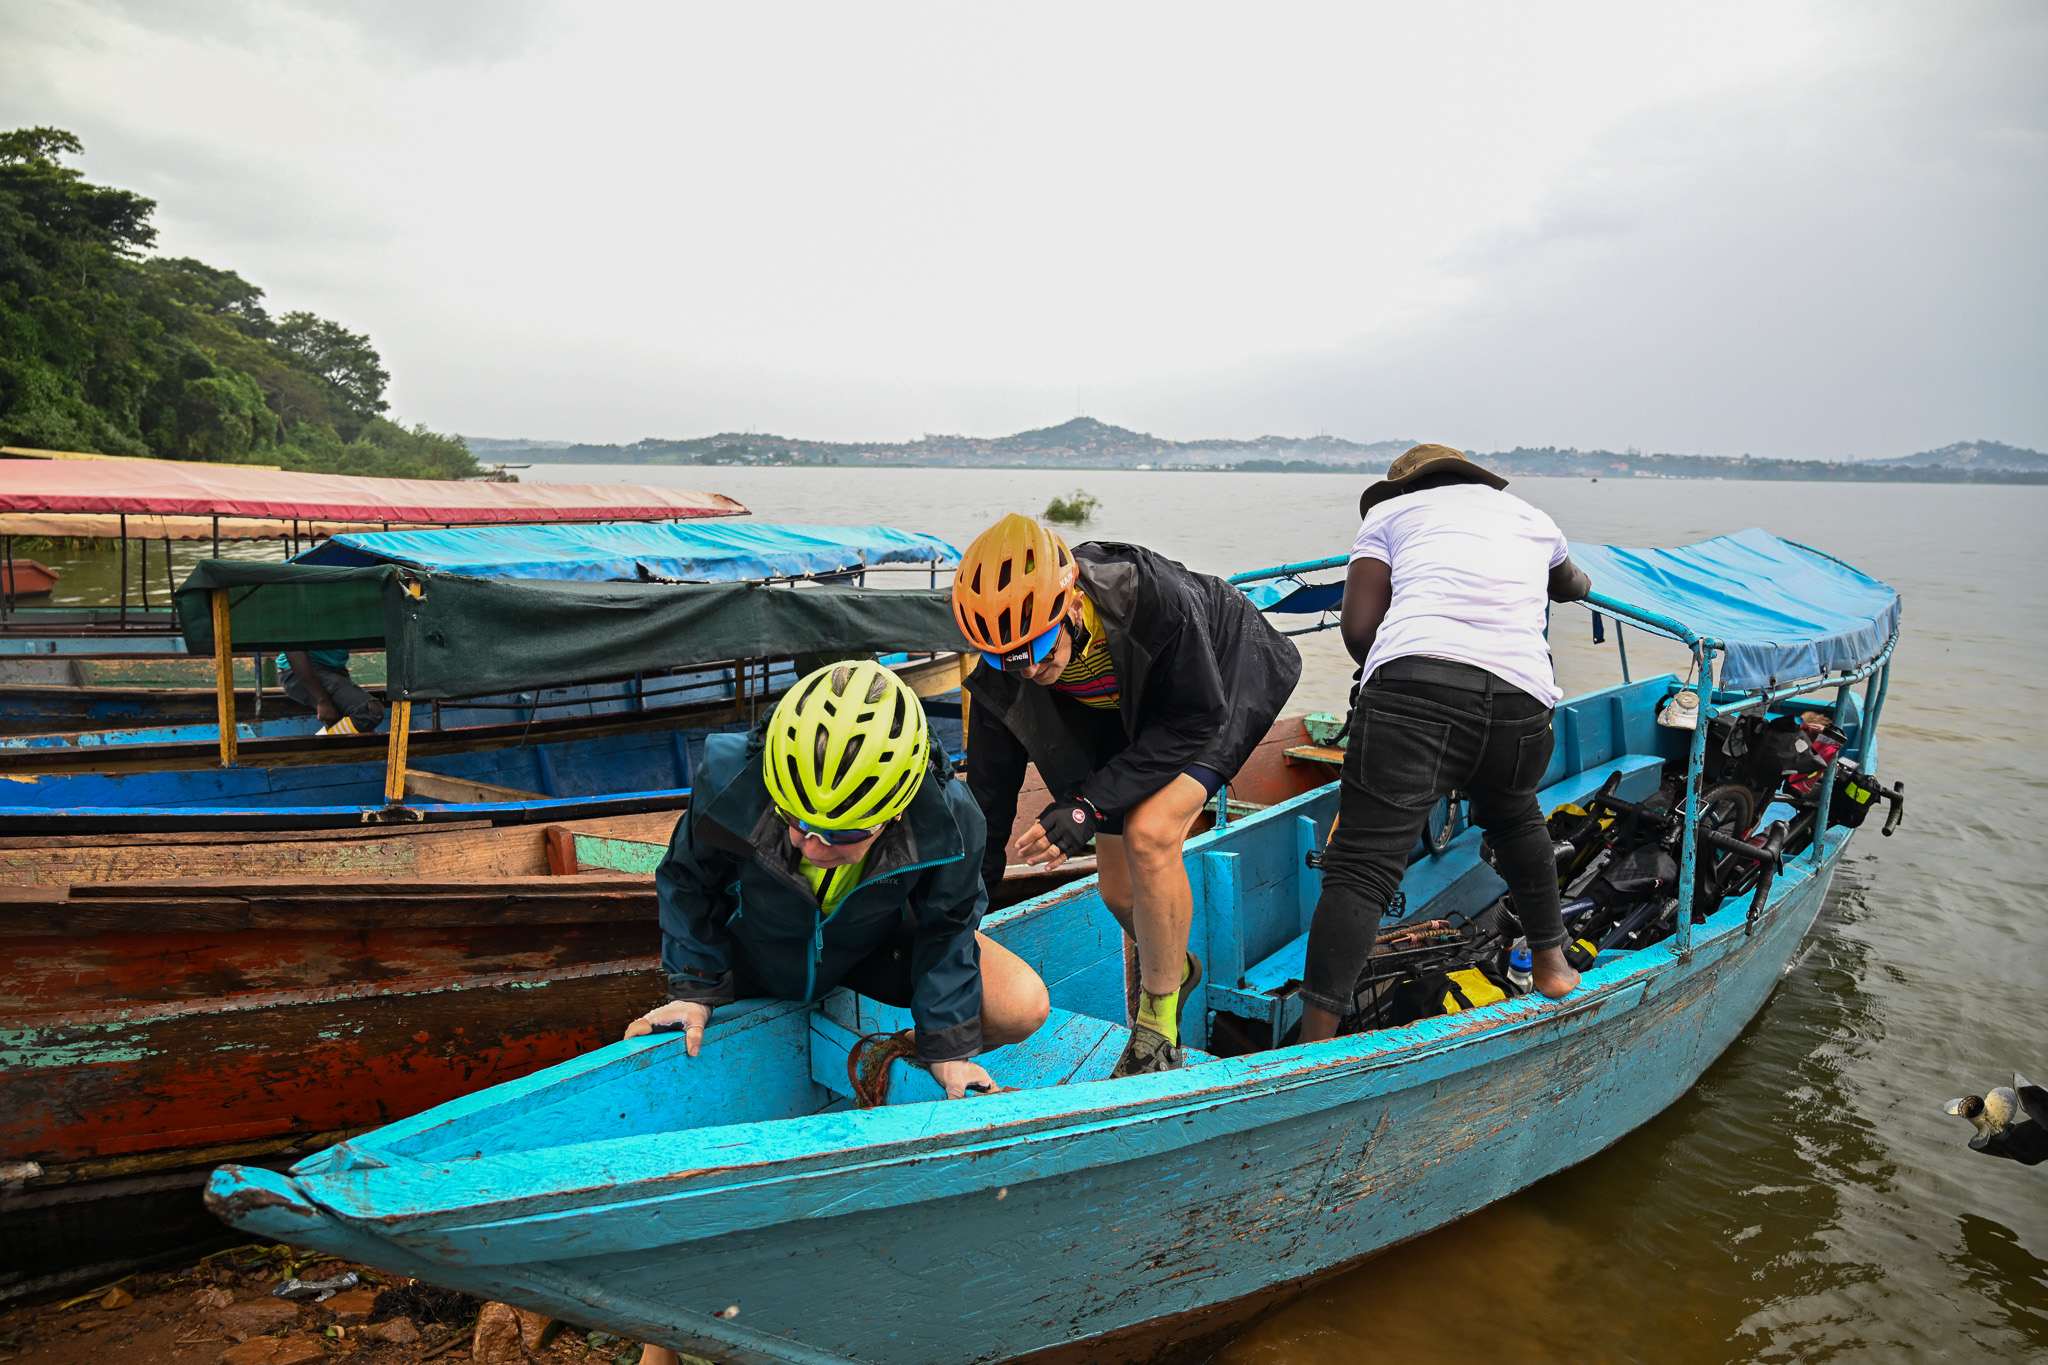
(1030, 1115)
(21, 1026)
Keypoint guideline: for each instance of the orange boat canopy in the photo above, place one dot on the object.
(181, 488)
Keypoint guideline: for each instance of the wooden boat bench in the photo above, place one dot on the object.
(1068, 1048)
(1255, 978)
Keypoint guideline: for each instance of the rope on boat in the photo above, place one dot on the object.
(868, 1062)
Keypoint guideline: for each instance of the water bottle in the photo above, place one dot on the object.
(1520, 979)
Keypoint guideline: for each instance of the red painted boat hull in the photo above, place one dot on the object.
(26, 578)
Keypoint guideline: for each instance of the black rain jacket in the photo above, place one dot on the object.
(1202, 674)
(730, 884)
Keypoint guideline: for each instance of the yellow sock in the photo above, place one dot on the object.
(1161, 1013)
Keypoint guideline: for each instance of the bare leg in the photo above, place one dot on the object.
(659, 1355)
(1113, 870)
(1155, 831)
(1317, 1024)
(1113, 877)
(1013, 998)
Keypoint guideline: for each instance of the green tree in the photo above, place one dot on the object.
(106, 348)
(222, 293)
(343, 358)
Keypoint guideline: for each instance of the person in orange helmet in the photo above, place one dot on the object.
(1137, 686)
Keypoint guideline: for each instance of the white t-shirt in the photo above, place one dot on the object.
(1471, 569)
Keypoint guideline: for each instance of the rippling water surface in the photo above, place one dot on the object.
(1808, 1200)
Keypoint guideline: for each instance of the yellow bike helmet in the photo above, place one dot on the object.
(846, 748)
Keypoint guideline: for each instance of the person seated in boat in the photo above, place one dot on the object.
(833, 848)
(1444, 609)
(318, 680)
(1138, 687)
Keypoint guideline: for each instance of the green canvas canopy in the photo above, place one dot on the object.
(449, 635)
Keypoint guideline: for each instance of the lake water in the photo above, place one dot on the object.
(1808, 1200)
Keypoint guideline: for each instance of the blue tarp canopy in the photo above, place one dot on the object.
(1782, 611)
(1296, 596)
(626, 551)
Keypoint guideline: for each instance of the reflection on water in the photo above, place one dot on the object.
(1992, 1263)
(1808, 1200)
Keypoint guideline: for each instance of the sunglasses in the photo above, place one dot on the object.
(837, 838)
(1027, 656)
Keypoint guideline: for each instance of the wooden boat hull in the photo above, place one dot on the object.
(271, 1034)
(545, 771)
(63, 630)
(146, 1025)
(26, 578)
(1052, 1217)
(84, 713)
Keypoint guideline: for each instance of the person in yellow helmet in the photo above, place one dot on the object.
(1138, 687)
(834, 848)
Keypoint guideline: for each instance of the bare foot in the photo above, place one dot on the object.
(1554, 976)
(658, 1355)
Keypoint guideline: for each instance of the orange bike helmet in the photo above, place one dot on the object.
(1013, 586)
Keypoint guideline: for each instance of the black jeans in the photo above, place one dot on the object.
(348, 698)
(1413, 740)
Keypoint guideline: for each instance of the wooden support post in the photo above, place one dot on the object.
(1308, 884)
(394, 752)
(560, 842)
(1218, 933)
(224, 676)
(966, 667)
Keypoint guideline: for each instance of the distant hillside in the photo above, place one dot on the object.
(1085, 443)
(1981, 455)
(1082, 443)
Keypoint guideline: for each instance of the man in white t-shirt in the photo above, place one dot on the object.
(1444, 609)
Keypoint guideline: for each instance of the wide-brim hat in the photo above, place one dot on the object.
(1419, 462)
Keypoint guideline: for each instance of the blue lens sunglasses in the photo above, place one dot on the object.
(837, 838)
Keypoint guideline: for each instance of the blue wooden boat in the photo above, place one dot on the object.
(533, 673)
(60, 699)
(741, 1206)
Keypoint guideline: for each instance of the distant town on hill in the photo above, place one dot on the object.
(1085, 443)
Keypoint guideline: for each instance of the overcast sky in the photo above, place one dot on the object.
(1775, 228)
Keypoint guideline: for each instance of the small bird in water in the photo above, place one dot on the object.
(2011, 1121)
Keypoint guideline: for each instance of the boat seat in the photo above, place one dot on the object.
(570, 850)
(1455, 880)
(1069, 1047)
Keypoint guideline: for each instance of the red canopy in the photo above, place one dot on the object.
(180, 488)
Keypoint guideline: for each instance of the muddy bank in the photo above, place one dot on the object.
(222, 1310)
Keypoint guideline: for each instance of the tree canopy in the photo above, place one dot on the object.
(107, 348)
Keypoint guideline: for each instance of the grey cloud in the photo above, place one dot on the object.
(429, 32)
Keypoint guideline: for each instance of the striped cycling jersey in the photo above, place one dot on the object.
(1089, 677)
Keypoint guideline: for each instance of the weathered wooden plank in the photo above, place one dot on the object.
(625, 855)
(313, 908)
(468, 848)
(425, 786)
(270, 1067)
